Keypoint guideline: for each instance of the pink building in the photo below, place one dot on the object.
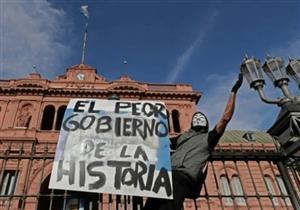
(242, 173)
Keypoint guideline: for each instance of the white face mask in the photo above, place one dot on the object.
(199, 120)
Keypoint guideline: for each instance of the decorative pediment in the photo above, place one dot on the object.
(82, 67)
(81, 73)
(33, 80)
(126, 78)
(29, 84)
(126, 83)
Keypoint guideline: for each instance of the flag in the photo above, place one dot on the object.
(84, 11)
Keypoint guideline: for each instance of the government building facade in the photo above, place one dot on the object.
(243, 172)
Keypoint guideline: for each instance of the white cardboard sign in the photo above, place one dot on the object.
(111, 146)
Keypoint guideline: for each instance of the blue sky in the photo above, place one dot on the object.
(197, 42)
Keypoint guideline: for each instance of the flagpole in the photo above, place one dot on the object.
(84, 11)
(84, 43)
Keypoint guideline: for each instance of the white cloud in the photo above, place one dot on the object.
(31, 34)
(250, 112)
(185, 57)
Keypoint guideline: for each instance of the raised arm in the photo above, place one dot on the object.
(228, 113)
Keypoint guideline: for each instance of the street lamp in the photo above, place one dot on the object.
(251, 69)
(293, 70)
(286, 128)
(274, 68)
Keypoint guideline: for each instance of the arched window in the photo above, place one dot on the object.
(175, 119)
(271, 189)
(9, 182)
(238, 190)
(283, 190)
(60, 116)
(225, 190)
(48, 117)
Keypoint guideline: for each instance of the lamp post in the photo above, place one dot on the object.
(251, 69)
(286, 128)
(289, 116)
(274, 68)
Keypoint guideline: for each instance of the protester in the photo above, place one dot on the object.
(192, 150)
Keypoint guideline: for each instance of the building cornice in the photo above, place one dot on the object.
(126, 93)
(94, 85)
